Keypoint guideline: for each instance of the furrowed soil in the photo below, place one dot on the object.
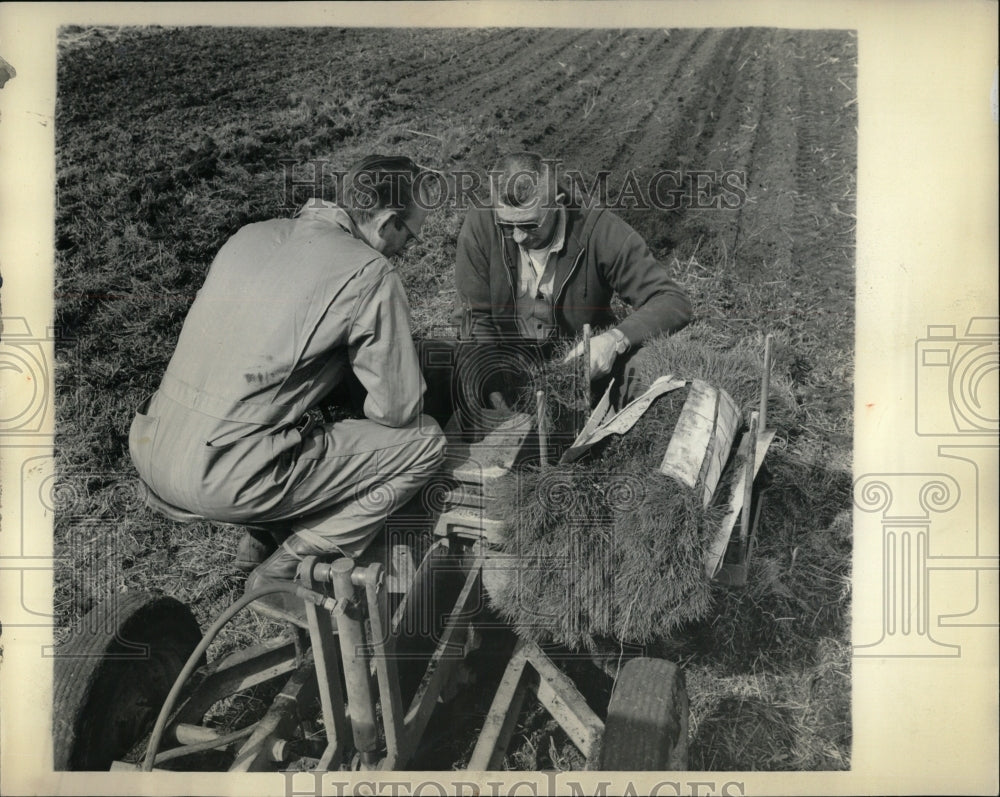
(169, 140)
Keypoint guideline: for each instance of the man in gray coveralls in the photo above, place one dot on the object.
(290, 308)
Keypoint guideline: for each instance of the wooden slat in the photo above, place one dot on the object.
(727, 423)
(765, 381)
(280, 720)
(543, 432)
(621, 422)
(239, 671)
(634, 410)
(717, 550)
(597, 417)
(734, 574)
(444, 662)
(692, 436)
(502, 717)
(564, 702)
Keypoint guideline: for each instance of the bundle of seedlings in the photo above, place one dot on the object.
(607, 547)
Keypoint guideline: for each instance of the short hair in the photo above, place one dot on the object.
(379, 182)
(518, 178)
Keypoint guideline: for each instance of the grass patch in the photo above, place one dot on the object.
(607, 547)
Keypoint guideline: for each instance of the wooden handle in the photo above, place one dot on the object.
(748, 484)
(581, 415)
(543, 443)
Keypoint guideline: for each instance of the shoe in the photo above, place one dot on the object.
(279, 568)
(253, 549)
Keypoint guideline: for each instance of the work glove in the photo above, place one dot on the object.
(603, 352)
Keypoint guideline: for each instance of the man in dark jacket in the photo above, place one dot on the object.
(535, 266)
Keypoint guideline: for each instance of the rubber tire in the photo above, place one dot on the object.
(647, 723)
(112, 675)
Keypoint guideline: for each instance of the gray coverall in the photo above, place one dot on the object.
(288, 307)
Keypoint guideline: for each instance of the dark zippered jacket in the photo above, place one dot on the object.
(602, 255)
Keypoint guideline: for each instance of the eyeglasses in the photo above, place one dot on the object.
(507, 228)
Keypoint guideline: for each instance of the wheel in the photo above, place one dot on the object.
(647, 724)
(113, 674)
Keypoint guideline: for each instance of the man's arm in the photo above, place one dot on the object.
(382, 353)
(473, 303)
(658, 303)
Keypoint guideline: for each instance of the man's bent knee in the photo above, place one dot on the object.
(432, 450)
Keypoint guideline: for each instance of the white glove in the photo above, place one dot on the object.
(603, 352)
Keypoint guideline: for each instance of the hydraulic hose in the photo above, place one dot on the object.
(210, 634)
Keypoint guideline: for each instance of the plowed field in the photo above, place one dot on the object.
(169, 140)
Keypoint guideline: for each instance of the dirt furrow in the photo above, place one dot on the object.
(824, 181)
(473, 58)
(619, 96)
(695, 146)
(583, 97)
(507, 74)
(762, 242)
(548, 85)
(703, 51)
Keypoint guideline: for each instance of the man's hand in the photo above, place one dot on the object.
(603, 351)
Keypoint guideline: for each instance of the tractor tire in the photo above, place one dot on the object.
(112, 675)
(647, 723)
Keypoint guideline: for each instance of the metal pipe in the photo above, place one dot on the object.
(357, 677)
(386, 670)
(324, 571)
(765, 382)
